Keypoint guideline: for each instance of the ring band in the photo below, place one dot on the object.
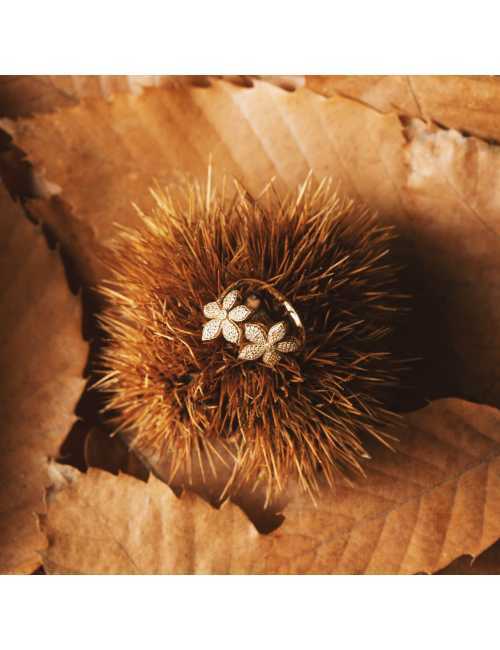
(249, 309)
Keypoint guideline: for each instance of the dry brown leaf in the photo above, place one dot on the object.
(111, 453)
(31, 94)
(440, 188)
(107, 154)
(42, 356)
(438, 498)
(466, 103)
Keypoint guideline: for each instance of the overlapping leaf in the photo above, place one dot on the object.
(438, 498)
(42, 356)
(31, 94)
(470, 104)
(441, 189)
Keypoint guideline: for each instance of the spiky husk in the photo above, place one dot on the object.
(176, 395)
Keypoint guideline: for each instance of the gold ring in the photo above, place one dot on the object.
(256, 317)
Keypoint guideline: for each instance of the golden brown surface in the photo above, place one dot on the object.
(388, 141)
(436, 498)
(42, 356)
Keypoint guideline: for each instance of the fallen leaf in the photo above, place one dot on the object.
(440, 189)
(465, 103)
(102, 451)
(25, 95)
(76, 237)
(252, 134)
(42, 356)
(418, 510)
(31, 94)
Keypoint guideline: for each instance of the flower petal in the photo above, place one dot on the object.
(211, 330)
(212, 310)
(239, 313)
(252, 351)
(256, 333)
(271, 357)
(290, 345)
(277, 332)
(230, 299)
(231, 332)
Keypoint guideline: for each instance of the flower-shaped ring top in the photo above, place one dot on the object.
(225, 317)
(267, 344)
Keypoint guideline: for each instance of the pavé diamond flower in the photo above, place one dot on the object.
(267, 344)
(225, 317)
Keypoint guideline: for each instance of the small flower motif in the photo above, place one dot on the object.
(268, 345)
(224, 317)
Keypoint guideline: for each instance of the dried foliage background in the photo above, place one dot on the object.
(423, 151)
